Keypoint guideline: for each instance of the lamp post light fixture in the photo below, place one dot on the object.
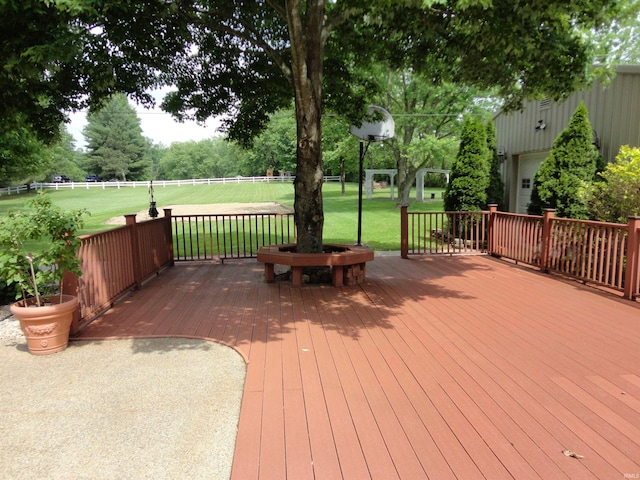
(153, 211)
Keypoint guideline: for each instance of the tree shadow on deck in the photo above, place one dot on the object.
(391, 283)
(230, 303)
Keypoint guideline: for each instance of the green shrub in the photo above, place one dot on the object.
(616, 196)
(469, 178)
(38, 272)
(566, 174)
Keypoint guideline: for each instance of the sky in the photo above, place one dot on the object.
(157, 125)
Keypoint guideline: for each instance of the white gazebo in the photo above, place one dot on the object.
(392, 172)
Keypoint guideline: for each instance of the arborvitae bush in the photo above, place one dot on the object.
(495, 190)
(469, 178)
(565, 175)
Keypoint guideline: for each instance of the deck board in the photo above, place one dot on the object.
(435, 367)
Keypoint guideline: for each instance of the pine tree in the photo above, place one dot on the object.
(116, 147)
(469, 178)
(495, 190)
(564, 176)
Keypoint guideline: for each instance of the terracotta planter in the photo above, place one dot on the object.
(46, 328)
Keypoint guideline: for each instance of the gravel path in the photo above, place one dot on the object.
(163, 408)
(10, 333)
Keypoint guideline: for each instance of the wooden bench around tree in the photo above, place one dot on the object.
(347, 262)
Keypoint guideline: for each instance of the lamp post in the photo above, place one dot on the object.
(153, 211)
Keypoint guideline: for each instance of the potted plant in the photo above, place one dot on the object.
(37, 247)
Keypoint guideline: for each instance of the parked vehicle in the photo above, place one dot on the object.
(92, 178)
(60, 179)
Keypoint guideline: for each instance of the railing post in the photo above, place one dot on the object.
(169, 235)
(404, 232)
(633, 251)
(493, 208)
(549, 213)
(135, 255)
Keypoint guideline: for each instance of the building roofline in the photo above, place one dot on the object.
(626, 68)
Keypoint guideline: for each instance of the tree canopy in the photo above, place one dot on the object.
(20, 154)
(211, 158)
(246, 60)
(428, 121)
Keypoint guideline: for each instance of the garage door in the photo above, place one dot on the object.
(528, 164)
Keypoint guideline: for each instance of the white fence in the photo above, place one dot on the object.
(156, 183)
(14, 190)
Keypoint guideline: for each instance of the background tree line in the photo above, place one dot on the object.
(573, 180)
(428, 126)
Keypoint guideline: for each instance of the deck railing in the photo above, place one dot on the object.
(601, 253)
(447, 233)
(590, 251)
(221, 237)
(517, 237)
(115, 261)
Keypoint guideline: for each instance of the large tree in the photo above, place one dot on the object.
(248, 59)
(428, 119)
(21, 156)
(62, 158)
(115, 145)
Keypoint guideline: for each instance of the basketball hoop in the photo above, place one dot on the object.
(375, 131)
(371, 132)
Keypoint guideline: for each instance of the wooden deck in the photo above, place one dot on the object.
(440, 368)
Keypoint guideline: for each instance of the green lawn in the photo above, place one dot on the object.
(380, 222)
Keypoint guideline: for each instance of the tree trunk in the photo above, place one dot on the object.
(307, 45)
(308, 211)
(406, 170)
(404, 179)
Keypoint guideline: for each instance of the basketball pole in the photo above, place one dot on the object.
(363, 152)
(371, 132)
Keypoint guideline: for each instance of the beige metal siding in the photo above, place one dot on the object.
(614, 113)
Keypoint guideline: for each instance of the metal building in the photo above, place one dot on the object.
(525, 138)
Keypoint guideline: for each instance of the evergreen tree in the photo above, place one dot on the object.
(495, 190)
(563, 177)
(469, 178)
(116, 147)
